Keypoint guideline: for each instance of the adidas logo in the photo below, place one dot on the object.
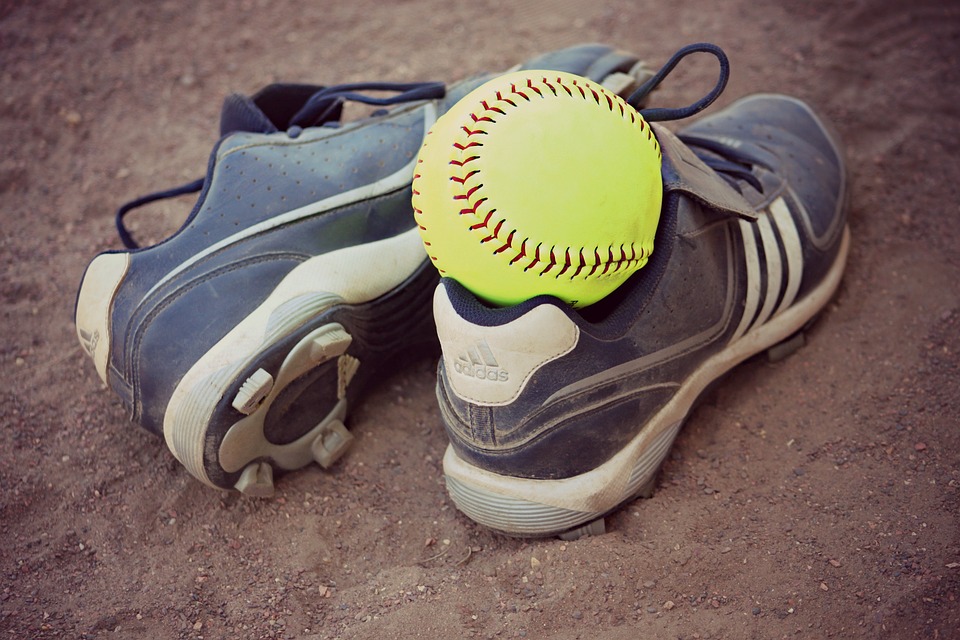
(479, 362)
(89, 341)
(774, 256)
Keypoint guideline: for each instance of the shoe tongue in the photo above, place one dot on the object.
(268, 111)
(241, 113)
(683, 171)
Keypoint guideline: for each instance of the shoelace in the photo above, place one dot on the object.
(323, 108)
(328, 100)
(730, 164)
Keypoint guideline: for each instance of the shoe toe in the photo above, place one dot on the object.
(809, 157)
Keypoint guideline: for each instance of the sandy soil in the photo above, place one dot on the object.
(818, 497)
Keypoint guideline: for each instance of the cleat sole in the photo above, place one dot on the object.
(216, 420)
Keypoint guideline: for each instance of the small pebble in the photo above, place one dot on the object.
(920, 446)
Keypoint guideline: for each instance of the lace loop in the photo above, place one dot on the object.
(318, 108)
(661, 114)
(124, 233)
(732, 166)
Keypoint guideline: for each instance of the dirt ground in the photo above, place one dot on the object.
(817, 497)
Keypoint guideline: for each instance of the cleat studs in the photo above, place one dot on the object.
(596, 528)
(781, 351)
(647, 488)
(332, 442)
(332, 342)
(347, 367)
(256, 480)
(253, 391)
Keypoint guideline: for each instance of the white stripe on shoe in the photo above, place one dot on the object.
(777, 232)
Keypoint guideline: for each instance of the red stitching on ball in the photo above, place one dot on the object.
(464, 178)
(566, 261)
(460, 163)
(482, 119)
(470, 192)
(499, 107)
(553, 262)
(473, 209)
(495, 109)
(514, 90)
(597, 261)
(506, 245)
(522, 253)
(582, 264)
(481, 225)
(507, 100)
(583, 94)
(496, 231)
(536, 258)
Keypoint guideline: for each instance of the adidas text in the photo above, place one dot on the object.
(481, 372)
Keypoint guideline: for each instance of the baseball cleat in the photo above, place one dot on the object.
(558, 416)
(244, 338)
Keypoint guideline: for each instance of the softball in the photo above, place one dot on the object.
(539, 182)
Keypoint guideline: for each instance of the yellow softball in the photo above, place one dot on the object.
(539, 182)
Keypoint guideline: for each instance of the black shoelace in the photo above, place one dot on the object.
(328, 100)
(323, 108)
(729, 164)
